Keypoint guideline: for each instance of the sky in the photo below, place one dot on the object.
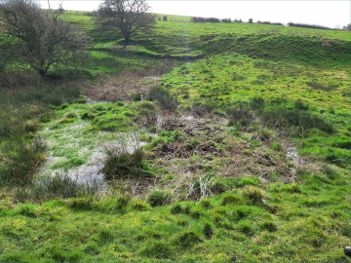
(336, 13)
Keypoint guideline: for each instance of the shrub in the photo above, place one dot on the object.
(21, 160)
(164, 98)
(159, 198)
(119, 163)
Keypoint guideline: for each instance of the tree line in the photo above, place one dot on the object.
(197, 19)
(42, 38)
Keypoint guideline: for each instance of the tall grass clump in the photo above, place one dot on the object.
(60, 185)
(159, 198)
(164, 98)
(19, 159)
(121, 163)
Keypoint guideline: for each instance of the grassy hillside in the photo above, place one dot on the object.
(205, 142)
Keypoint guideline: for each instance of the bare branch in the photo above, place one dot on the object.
(129, 16)
(45, 35)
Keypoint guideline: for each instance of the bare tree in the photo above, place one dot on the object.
(47, 38)
(128, 16)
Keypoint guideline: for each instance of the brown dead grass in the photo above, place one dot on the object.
(217, 152)
(128, 85)
(19, 79)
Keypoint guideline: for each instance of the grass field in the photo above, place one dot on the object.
(242, 147)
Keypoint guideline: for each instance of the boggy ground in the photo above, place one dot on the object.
(193, 148)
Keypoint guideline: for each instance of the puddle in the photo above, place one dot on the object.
(91, 173)
(292, 154)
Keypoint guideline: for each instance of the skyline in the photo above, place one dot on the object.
(335, 14)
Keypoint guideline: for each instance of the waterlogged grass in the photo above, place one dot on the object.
(22, 113)
(304, 222)
(77, 130)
